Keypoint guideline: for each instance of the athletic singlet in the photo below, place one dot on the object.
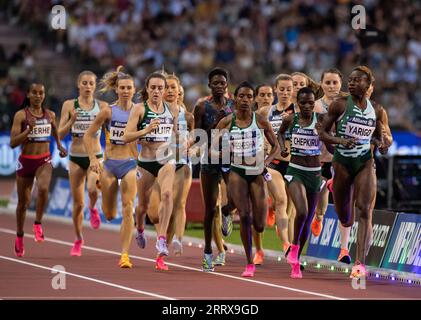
(84, 119)
(246, 144)
(117, 124)
(41, 132)
(210, 117)
(305, 140)
(164, 131)
(325, 107)
(211, 113)
(356, 123)
(276, 117)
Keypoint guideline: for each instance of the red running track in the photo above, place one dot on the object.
(96, 275)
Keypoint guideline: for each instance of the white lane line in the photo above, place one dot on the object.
(9, 231)
(110, 284)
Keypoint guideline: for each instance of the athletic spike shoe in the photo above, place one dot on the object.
(316, 226)
(125, 261)
(160, 264)
(19, 249)
(258, 257)
(226, 227)
(38, 233)
(358, 271)
(220, 259)
(177, 247)
(161, 246)
(344, 256)
(292, 258)
(296, 271)
(77, 248)
(141, 239)
(249, 272)
(207, 263)
(95, 219)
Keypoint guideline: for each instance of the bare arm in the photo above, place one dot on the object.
(130, 132)
(222, 128)
(55, 135)
(336, 109)
(286, 123)
(382, 137)
(270, 136)
(89, 138)
(16, 136)
(68, 117)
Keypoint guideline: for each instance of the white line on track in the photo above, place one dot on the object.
(110, 284)
(70, 244)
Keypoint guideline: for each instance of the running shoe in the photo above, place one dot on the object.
(39, 234)
(19, 249)
(220, 259)
(296, 271)
(226, 224)
(177, 247)
(249, 272)
(95, 219)
(258, 257)
(141, 239)
(344, 256)
(358, 271)
(292, 258)
(207, 263)
(125, 261)
(161, 246)
(316, 226)
(160, 264)
(77, 248)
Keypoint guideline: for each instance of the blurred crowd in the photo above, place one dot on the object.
(254, 40)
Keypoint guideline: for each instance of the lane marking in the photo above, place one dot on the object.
(70, 244)
(110, 284)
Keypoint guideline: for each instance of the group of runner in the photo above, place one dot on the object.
(253, 153)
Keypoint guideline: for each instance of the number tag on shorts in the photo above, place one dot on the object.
(138, 175)
(288, 177)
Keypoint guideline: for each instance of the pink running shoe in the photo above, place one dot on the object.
(296, 271)
(39, 234)
(95, 219)
(77, 248)
(19, 250)
(249, 272)
(292, 258)
(160, 263)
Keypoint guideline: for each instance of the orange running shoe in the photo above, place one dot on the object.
(258, 257)
(160, 264)
(316, 226)
(344, 256)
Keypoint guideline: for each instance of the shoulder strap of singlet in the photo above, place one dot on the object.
(232, 121)
(76, 104)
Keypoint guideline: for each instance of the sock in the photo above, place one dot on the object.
(19, 234)
(140, 230)
(345, 234)
(37, 222)
(162, 237)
